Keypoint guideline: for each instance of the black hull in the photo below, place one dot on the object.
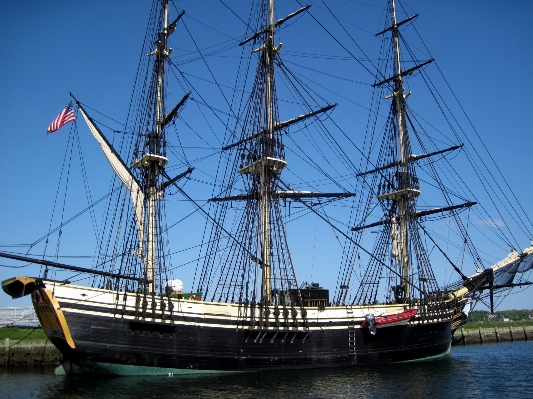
(120, 341)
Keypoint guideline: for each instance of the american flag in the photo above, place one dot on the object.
(64, 117)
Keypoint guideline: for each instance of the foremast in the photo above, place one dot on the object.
(407, 193)
(399, 187)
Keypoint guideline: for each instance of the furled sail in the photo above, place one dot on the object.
(124, 174)
(506, 269)
(395, 236)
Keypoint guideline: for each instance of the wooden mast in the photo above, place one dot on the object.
(403, 176)
(266, 177)
(155, 159)
(269, 163)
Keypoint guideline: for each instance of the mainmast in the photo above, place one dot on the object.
(265, 178)
(262, 156)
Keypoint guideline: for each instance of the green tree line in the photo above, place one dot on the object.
(500, 315)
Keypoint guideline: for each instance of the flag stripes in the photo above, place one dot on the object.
(64, 117)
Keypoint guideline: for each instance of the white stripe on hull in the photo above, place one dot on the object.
(232, 314)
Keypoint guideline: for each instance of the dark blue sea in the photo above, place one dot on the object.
(500, 370)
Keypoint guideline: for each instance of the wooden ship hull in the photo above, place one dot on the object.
(98, 334)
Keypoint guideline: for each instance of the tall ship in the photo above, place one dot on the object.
(247, 310)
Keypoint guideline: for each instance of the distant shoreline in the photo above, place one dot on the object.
(494, 324)
(502, 332)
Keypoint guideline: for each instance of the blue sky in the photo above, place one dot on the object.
(91, 48)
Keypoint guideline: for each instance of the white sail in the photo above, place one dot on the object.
(395, 236)
(124, 174)
(506, 269)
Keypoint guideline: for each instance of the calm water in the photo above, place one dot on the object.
(503, 370)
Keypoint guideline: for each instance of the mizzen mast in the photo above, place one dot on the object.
(154, 160)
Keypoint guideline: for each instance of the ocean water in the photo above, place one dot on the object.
(500, 370)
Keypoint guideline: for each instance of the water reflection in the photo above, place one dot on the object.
(483, 370)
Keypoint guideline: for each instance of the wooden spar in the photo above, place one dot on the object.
(67, 267)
